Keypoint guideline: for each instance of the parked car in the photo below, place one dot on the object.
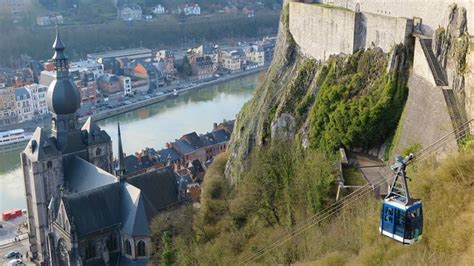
(12, 254)
(15, 262)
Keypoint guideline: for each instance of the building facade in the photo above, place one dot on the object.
(81, 211)
(24, 104)
(38, 99)
(8, 113)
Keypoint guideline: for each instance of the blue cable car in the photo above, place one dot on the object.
(401, 217)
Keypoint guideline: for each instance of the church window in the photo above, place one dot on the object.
(128, 248)
(141, 251)
(90, 250)
(49, 164)
(112, 242)
(98, 152)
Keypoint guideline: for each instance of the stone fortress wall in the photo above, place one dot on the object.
(432, 12)
(322, 31)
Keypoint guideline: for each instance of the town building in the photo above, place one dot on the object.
(24, 105)
(88, 65)
(8, 113)
(130, 12)
(230, 60)
(86, 213)
(168, 59)
(50, 19)
(255, 54)
(109, 84)
(147, 70)
(207, 50)
(189, 9)
(202, 66)
(130, 54)
(38, 99)
(158, 10)
(126, 85)
(84, 80)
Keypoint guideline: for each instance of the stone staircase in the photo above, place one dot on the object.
(454, 112)
(438, 72)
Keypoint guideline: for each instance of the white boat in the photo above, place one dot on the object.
(14, 136)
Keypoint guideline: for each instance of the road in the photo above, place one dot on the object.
(21, 246)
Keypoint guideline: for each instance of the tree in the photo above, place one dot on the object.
(185, 68)
(168, 253)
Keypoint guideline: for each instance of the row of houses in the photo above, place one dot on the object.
(134, 12)
(22, 104)
(189, 156)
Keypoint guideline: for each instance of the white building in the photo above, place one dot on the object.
(189, 10)
(52, 19)
(126, 84)
(24, 106)
(88, 65)
(38, 98)
(130, 12)
(158, 10)
(255, 54)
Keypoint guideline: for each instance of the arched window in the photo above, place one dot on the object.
(112, 242)
(128, 248)
(98, 152)
(141, 251)
(90, 250)
(49, 164)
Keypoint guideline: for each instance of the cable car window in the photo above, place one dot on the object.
(389, 215)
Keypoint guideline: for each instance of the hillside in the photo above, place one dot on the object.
(280, 170)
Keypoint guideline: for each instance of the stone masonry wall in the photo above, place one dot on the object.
(421, 68)
(432, 12)
(425, 117)
(321, 31)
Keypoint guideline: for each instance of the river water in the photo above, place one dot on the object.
(152, 126)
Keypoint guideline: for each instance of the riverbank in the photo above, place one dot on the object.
(164, 97)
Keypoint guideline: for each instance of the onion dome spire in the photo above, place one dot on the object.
(63, 96)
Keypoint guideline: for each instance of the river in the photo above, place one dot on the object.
(150, 126)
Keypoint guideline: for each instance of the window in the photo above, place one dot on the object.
(141, 251)
(98, 152)
(49, 164)
(90, 250)
(112, 242)
(389, 215)
(128, 248)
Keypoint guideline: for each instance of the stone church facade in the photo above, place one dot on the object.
(82, 211)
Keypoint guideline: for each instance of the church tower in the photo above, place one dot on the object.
(47, 158)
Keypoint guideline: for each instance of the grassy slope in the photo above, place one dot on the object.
(448, 200)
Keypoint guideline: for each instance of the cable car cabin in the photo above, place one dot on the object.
(400, 222)
(401, 217)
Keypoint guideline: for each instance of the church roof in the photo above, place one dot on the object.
(94, 210)
(159, 190)
(95, 135)
(40, 147)
(134, 217)
(80, 175)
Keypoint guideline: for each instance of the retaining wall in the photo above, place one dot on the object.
(321, 31)
(433, 12)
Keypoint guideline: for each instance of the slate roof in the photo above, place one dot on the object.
(216, 137)
(183, 147)
(134, 217)
(174, 155)
(159, 190)
(22, 94)
(95, 209)
(95, 135)
(40, 146)
(80, 175)
(193, 140)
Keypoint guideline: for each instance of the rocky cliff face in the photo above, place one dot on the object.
(451, 46)
(364, 89)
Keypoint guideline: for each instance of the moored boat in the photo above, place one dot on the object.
(13, 136)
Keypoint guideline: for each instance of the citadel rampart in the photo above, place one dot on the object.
(320, 31)
(432, 12)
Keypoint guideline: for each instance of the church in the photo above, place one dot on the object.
(81, 209)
